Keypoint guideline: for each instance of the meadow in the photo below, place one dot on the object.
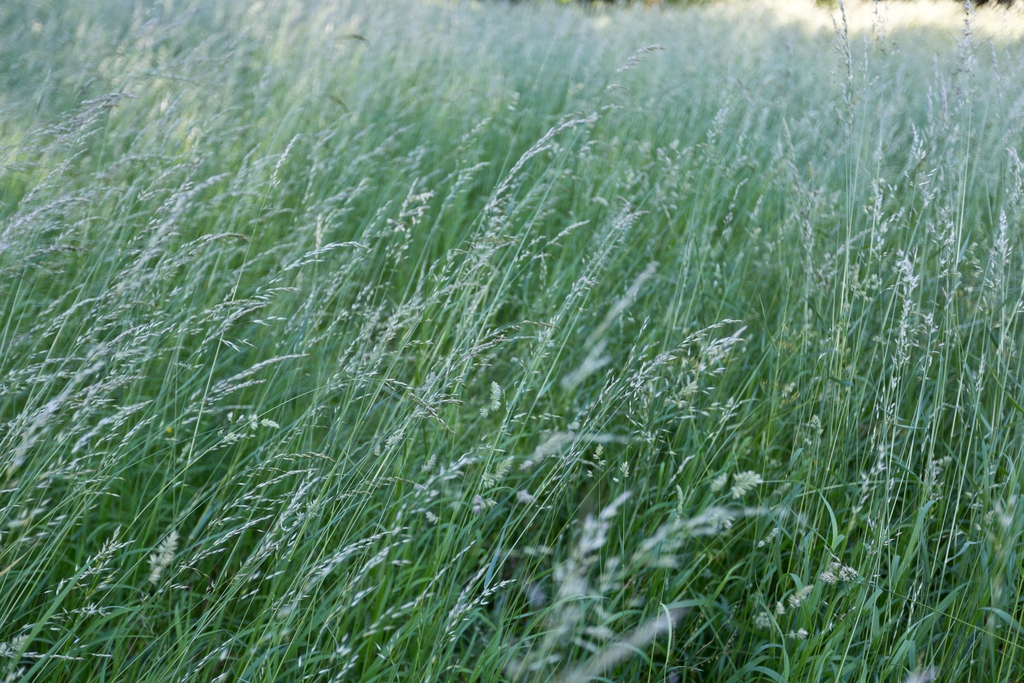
(454, 341)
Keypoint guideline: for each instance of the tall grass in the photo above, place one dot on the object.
(458, 342)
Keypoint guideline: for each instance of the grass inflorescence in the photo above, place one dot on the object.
(487, 342)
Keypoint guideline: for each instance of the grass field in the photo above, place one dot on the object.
(431, 341)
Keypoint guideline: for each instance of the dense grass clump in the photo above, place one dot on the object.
(481, 342)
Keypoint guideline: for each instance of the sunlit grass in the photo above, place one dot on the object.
(434, 341)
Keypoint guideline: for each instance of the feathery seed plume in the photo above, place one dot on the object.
(743, 482)
(161, 559)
